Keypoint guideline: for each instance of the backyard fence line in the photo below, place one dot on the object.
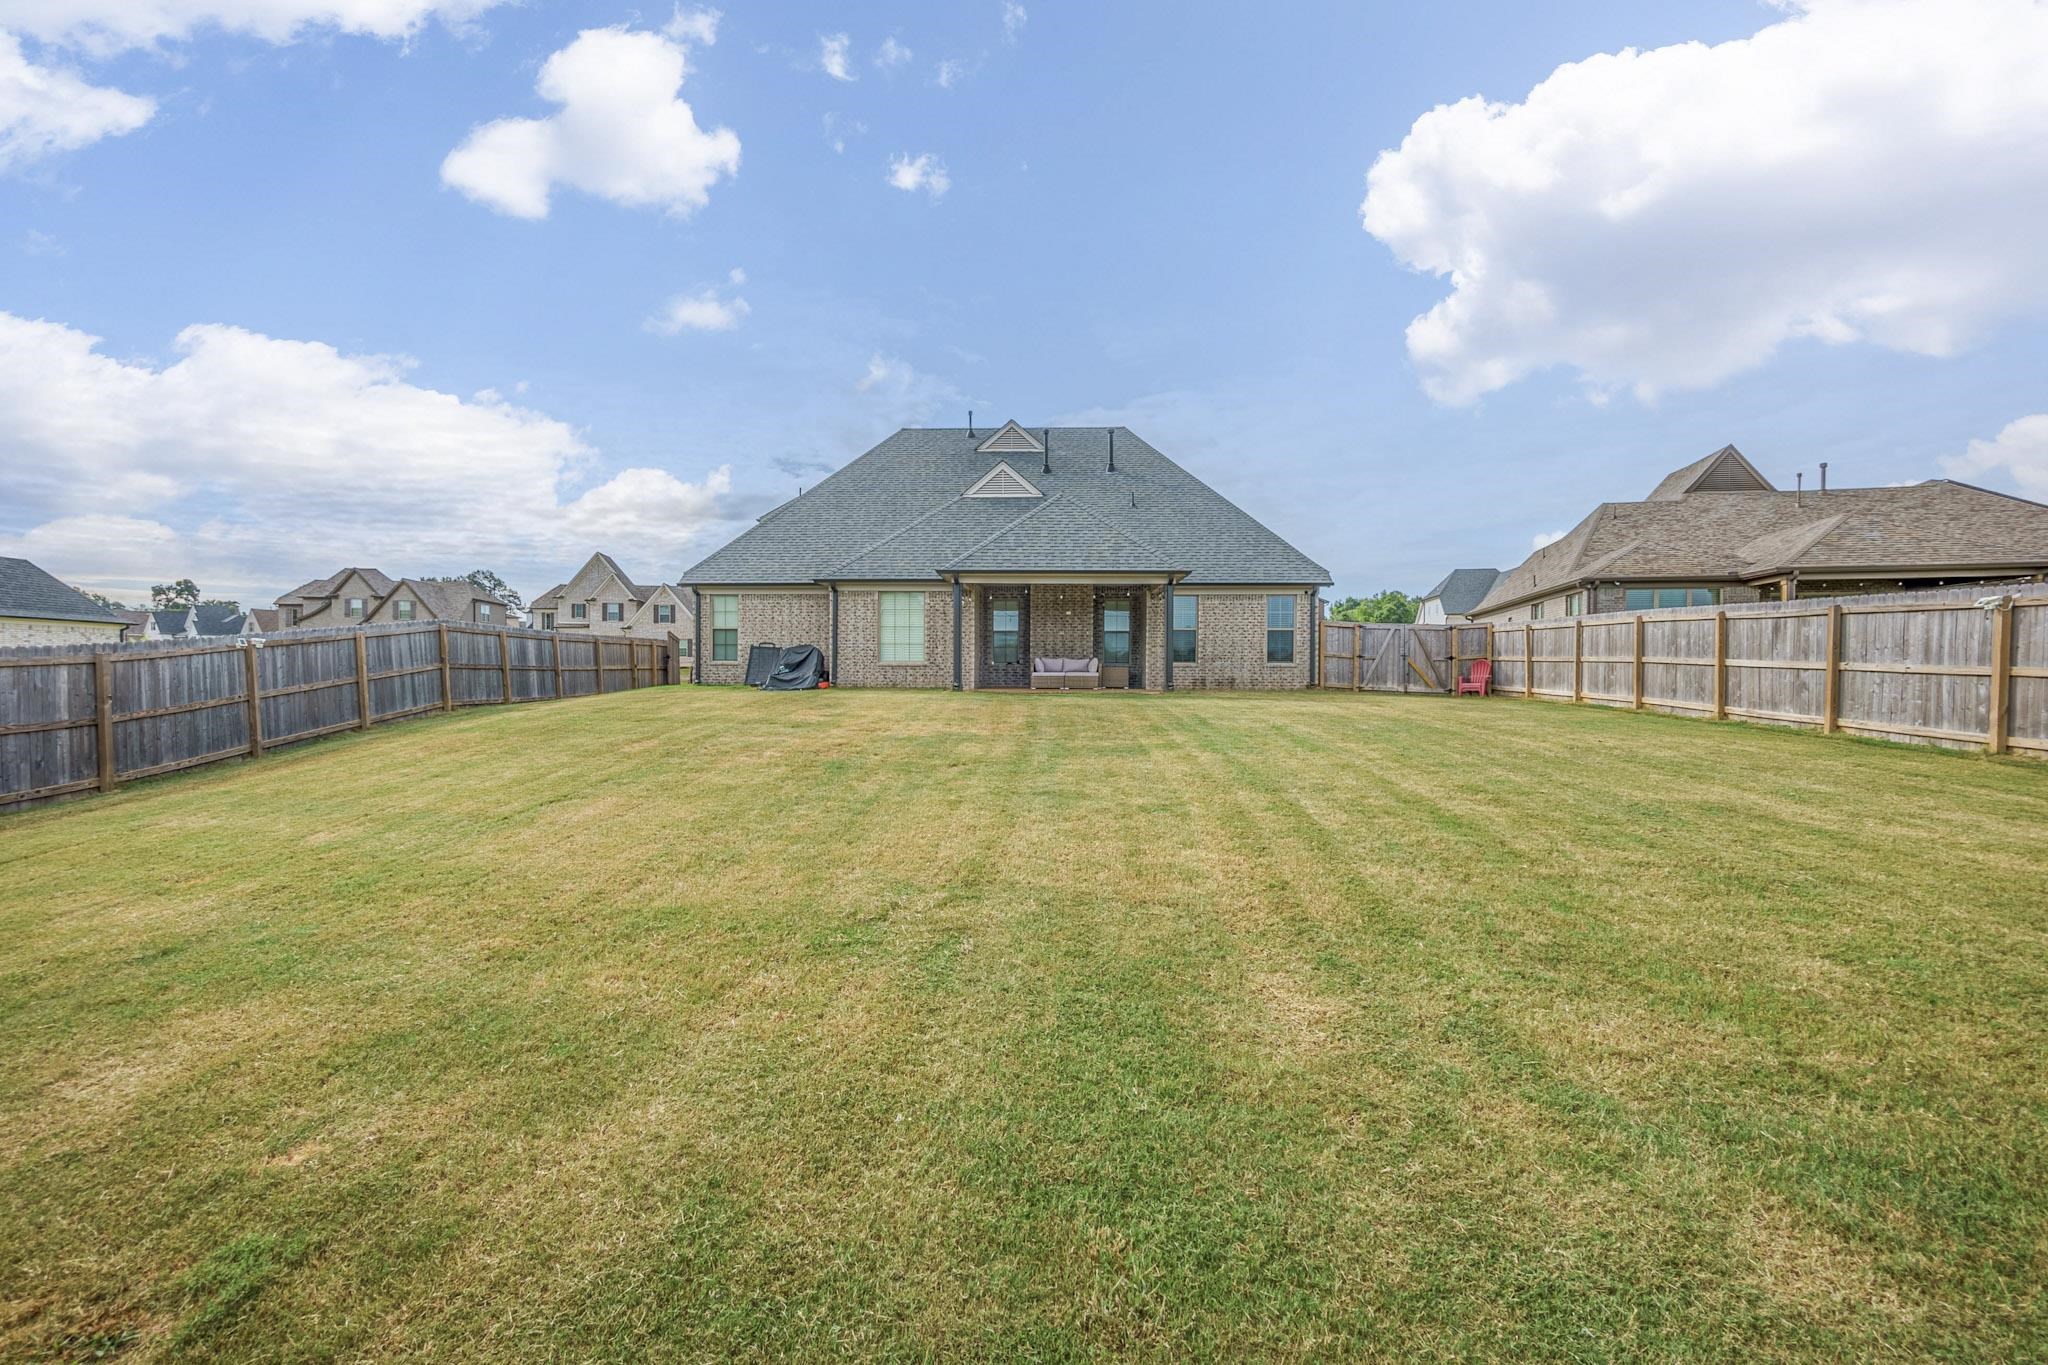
(79, 718)
(1932, 667)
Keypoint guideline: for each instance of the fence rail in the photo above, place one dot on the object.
(76, 719)
(1932, 667)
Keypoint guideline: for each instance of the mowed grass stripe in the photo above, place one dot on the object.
(702, 1024)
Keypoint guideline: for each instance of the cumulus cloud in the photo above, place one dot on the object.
(832, 59)
(1013, 20)
(45, 110)
(2019, 453)
(621, 134)
(1861, 171)
(703, 311)
(892, 54)
(694, 25)
(924, 172)
(951, 72)
(250, 461)
(1543, 538)
(105, 26)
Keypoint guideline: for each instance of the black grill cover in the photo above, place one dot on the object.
(801, 667)
(762, 660)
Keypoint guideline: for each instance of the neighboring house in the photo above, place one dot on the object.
(174, 623)
(342, 599)
(440, 599)
(954, 557)
(36, 609)
(1453, 600)
(603, 600)
(358, 596)
(1719, 531)
(141, 624)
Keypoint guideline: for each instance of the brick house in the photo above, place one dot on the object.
(951, 557)
(602, 600)
(1718, 531)
(357, 596)
(37, 609)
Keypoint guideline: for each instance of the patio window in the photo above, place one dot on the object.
(402, 608)
(579, 611)
(1185, 616)
(1280, 629)
(664, 616)
(615, 611)
(1647, 599)
(1006, 630)
(902, 627)
(725, 628)
(1116, 630)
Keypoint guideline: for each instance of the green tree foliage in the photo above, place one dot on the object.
(109, 603)
(1391, 606)
(486, 581)
(171, 596)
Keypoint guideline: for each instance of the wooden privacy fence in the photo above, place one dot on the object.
(1376, 656)
(1934, 667)
(74, 718)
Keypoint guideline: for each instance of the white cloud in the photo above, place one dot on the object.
(45, 110)
(951, 72)
(1863, 170)
(1543, 538)
(246, 463)
(893, 393)
(1013, 20)
(832, 58)
(703, 311)
(737, 275)
(838, 130)
(891, 54)
(621, 134)
(693, 25)
(105, 26)
(924, 172)
(2019, 452)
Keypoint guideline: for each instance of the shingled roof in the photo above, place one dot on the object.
(1462, 590)
(26, 590)
(1699, 533)
(900, 513)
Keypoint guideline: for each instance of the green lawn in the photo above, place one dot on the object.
(699, 1023)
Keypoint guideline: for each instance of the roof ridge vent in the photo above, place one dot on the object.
(1002, 482)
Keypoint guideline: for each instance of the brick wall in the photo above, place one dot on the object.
(860, 642)
(27, 630)
(1230, 643)
(787, 616)
(1062, 622)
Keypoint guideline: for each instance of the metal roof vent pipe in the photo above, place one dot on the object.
(1047, 444)
(1112, 450)
(1823, 476)
(970, 424)
(1799, 489)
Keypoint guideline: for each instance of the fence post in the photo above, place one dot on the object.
(1831, 690)
(597, 662)
(447, 673)
(255, 702)
(103, 716)
(1578, 659)
(1528, 661)
(1639, 663)
(505, 665)
(555, 652)
(362, 682)
(1999, 720)
(1357, 656)
(1720, 665)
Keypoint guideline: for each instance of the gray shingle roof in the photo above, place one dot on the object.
(1927, 526)
(1462, 590)
(172, 621)
(26, 590)
(897, 513)
(219, 620)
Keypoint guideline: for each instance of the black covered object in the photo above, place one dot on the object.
(802, 666)
(762, 660)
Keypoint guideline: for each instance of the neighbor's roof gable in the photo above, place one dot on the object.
(1462, 590)
(26, 590)
(898, 513)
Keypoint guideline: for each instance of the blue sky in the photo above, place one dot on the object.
(1151, 214)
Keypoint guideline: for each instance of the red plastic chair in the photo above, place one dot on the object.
(1476, 682)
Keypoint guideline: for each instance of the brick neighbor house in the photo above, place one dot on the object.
(357, 596)
(602, 600)
(37, 609)
(1718, 531)
(951, 557)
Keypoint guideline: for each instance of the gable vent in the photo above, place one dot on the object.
(1011, 440)
(1002, 482)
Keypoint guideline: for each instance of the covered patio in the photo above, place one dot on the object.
(1005, 623)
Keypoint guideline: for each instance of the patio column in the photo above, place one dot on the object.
(696, 639)
(832, 656)
(956, 635)
(1167, 625)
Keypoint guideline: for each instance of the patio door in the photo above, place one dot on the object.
(1119, 625)
(1005, 638)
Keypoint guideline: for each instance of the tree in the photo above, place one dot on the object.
(227, 602)
(171, 596)
(109, 603)
(486, 581)
(1390, 607)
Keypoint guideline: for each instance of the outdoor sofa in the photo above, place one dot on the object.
(1055, 674)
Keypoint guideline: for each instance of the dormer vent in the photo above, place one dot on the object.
(1002, 482)
(1011, 439)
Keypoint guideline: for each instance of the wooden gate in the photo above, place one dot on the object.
(1375, 657)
